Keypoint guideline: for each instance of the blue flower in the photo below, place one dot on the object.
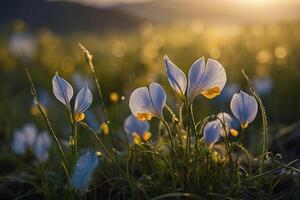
(176, 77)
(145, 103)
(42, 145)
(244, 107)
(19, 144)
(27, 139)
(207, 79)
(63, 91)
(211, 132)
(231, 124)
(137, 130)
(83, 100)
(85, 166)
(24, 139)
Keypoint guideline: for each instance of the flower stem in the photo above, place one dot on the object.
(47, 121)
(264, 120)
(172, 153)
(102, 145)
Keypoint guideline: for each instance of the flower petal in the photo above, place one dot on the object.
(208, 80)
(30, 132)
(176, 77)
(41, 147)
(158, 97)
(244, 107)
(133, 125)
(19, 144)
(140, 103)
(211, 132)
(62, 90)
(195, 76)
(85, 166)
(83, 100)
(229, 122)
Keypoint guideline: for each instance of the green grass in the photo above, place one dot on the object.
(155, 169)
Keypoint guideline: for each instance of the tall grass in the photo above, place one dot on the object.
(178, 164)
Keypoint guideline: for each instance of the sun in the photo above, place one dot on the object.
(257, 2)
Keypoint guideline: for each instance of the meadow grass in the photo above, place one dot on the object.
(193, 170)
(175, 163)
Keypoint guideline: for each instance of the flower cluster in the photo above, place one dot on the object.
(204, 78)
(28, 139)
(207, 79)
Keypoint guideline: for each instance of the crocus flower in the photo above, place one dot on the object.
(85, 166)
(19, 144)
(24, 139)
(137, 130)
(27, 139)
(244, 107)
(211, 132)
(42, 145)
(207, 79)
(230, 123)
(145, 103)
(63, 91)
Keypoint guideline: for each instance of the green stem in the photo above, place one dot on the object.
(264, 120)
(181, 115)
(172, 152)
(102, 145)
(75, 137)
(176, 122)
(227, 142)
(89, 58)
(188, 139)
(263, 174)
(194, 129)
(247, 154)
(46, 119)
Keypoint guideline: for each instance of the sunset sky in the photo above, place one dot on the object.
(115, 2)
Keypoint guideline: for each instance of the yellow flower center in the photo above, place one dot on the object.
(79, 116)
(244, 125)
(114, 97)
(136, 138)
(104, 128)
(71, 141)
(147, 136)
(98, 153)
(211, 93)
(144, 116)
(215, 157)
(234, 132)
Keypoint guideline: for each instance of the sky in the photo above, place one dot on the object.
(116, 2)
(104, 2)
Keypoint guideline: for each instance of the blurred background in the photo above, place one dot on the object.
(129, 38)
